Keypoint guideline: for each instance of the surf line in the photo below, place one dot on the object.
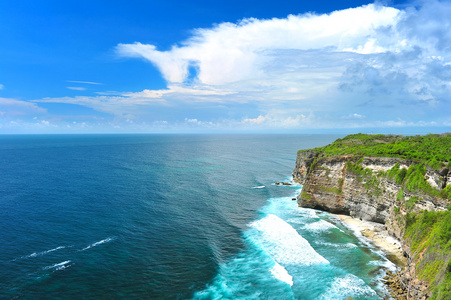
(259, 187)
(36, 254)
(97, 243)
(59, 266)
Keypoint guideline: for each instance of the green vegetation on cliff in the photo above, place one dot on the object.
(413, 180)
(429, 234)
(433, 150)
(371, 184)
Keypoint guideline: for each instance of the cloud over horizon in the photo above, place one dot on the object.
(373, 59)
(235, 52)
(369, 66)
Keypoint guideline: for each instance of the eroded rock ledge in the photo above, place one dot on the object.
(329, 186)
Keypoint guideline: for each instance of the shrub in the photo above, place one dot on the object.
(431, 149)
(400, 195)
(410, 204)
(400, 176)
(446, 192)
(393, 171)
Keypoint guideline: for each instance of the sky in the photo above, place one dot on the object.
(225, 66)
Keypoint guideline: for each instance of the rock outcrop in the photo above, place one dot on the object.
(329, 186)
(360, 187)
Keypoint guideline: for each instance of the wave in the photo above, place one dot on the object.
(283, 243)
(282, 274)
(339, 246)
(36, 254)
(59, 266)
(279, 263)
(320, 225)
(258, 272)
(259, 187)
(348, 286)
(252, 274)
(98, 243)
(383, 263)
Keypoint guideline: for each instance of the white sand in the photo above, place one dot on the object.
(377, 233)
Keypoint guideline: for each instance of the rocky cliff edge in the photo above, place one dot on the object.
(370, 188)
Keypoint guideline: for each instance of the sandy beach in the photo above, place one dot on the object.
(379, 236)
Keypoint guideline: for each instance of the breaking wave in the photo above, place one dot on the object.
(36, 254)
(281, 273)
(320, 225)
(348, 286)
(258, 187)
(283, 242)
(59, 266)
(98, 243)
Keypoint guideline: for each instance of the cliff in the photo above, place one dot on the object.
(395, 191)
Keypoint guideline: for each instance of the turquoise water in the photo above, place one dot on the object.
(170, 217)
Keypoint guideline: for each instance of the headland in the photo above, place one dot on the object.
(396, 191)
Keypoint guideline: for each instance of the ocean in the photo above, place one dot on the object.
(171, 217)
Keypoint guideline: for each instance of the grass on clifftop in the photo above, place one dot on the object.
(433, 150)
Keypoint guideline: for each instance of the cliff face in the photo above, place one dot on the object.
(328, 185)
(362, 189)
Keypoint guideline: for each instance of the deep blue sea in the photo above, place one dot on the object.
(170, 217)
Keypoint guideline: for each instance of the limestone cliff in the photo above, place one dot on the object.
(330, 186)
(370, 188)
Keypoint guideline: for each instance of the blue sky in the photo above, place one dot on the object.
(216, 66)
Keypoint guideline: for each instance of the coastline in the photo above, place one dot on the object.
(379, 236)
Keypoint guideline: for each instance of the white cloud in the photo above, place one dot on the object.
(13, 108)
(280, 119)
(83, 82)
(201, 124)
(2, 86)
(76, 88)
(353, 116)
(365, 66)
(233, 52)
(137, 103)
(259, 120)
(370, 51)
(116, 105)
(178, 89)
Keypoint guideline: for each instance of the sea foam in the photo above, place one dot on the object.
(36, 254)
(97, 243)
(320, 225)
(252, 274)
(283, 243)
(348, 286)
(339, 246)
(282, 274)
(59, 266)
